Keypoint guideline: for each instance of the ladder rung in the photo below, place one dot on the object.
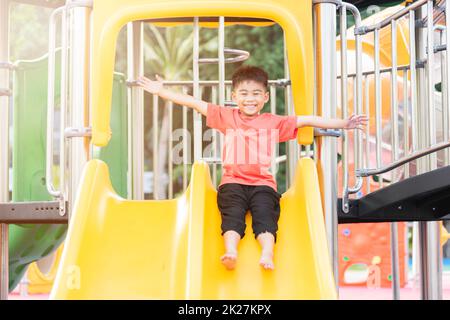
(212, 160)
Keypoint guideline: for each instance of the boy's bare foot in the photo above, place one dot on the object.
(229, 260)
(266, 261)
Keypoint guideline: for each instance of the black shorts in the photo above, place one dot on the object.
(234, 200)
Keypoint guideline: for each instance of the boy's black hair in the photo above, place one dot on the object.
(246, 73)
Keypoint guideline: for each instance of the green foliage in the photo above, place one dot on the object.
(28, 31)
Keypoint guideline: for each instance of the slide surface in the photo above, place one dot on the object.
(170, 249)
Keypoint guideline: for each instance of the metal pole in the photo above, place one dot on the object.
(394, 139)
(186, 147)
(4, 146)
(378, 95)
(78, 98)
(170, 156)
(197, 117)
(344, 99)
(273, 110)
(367, 104)
(326, 103)
(51, 103)
(435, 262)
(292, 145)
(446, 82)
(63, 106)
(428, 231)
(221, 71)
(155, 144)
(414, 130)
(135, 56)
(215, 138)
(444, 95)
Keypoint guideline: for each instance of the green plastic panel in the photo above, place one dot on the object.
(28, 243)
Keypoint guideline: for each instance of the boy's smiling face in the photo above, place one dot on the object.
(250, 96)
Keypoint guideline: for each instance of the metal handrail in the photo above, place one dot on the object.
(51, 103)
(240, 55)
(402, 161)
(388, 20)
(347, 190)
(51, 94)
(277, 83)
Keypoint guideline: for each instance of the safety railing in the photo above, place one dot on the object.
(412, 132)
(63, 12)
(402, 78)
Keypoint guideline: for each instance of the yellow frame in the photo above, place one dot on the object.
(295, 17)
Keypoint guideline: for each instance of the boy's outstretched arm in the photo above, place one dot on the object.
(353, 122)
(156, 87)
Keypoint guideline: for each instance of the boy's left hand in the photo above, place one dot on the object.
(356, 122)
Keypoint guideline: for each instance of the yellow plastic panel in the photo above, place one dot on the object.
(295, 17)
(170, 249)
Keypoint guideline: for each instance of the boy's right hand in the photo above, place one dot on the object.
(151, 86)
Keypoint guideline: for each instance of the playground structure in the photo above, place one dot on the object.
(110, 223)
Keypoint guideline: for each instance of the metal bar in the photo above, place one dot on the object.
(215, 137)
(367, 164)
(413, 79)
(395, 136)
(445, 83)
(319, 132)
(378, 94)
(273, 110)
(197, 117)
(434, 250)
(395, 16)
(405, 122)
(282, 83)
(32, 212)
(135, 69)
(78, 102)
(325, 19)
(344, 106)
(240, 55)
(4, 148)
(418, 64)
(430, 85)
(292, 145)
(155, 148)
(170, 159)
(444, 95)
(357, 97)
(70, 132)
(63, 104)
(228, 91)
(186, 151)
(51, 104)
(221, 68)
(413, 156)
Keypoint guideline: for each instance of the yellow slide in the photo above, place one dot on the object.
(170, 249)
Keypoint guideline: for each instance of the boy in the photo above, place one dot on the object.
(247, 183)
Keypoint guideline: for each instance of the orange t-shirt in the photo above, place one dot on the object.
(249, 143)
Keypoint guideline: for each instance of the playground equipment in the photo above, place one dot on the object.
(27, 242)
(205, 277)
(98, 213)
(177, 245)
